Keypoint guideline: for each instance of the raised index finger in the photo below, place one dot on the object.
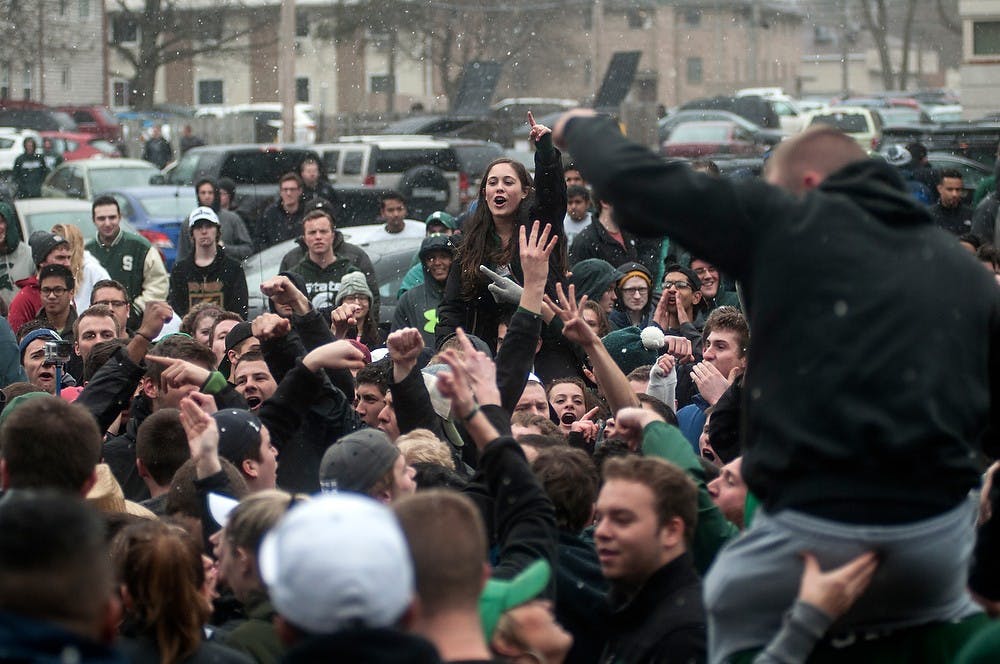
(166, 361)
(591, 413)
(531, 119)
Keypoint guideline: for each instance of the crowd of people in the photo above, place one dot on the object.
(626, 410)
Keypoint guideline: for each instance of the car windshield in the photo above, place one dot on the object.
(851, 123)
(400, 161)
(102, 179)
(692, 132)
(475, 158)
(6, 143)
(44, 221)
(172, 206)
(261, 166)
(900, 115)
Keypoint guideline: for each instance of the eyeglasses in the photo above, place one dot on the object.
(638, 290)
(679, 285)
(355, 298)
(289, 190)
(114, 304)
(58, 291)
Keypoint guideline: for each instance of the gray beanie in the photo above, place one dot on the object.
(357, 461)
(353, 283)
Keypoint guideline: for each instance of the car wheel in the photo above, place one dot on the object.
(425, 189)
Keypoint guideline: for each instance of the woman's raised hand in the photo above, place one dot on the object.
(537, 130)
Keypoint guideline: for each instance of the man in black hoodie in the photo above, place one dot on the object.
(209, 274)
(838, 447)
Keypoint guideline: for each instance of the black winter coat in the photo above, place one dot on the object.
(851, 294)
(663, 622)
(481, 314)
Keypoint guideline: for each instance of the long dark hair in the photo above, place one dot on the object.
(478, 244)
(161, 567)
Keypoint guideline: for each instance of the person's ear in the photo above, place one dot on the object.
(141, 467)
(149, 388)
(811, 180)
(696, 298)
(4, 474)
(110, 619)
(672, 533)
(249, 468)
(89, 483)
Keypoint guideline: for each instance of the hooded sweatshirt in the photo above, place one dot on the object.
(418, 306)
(853, 412)
(15, 256)
(221, 282)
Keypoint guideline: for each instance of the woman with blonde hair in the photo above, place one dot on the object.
(86, 269)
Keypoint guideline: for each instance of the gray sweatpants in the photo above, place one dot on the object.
(921, 577)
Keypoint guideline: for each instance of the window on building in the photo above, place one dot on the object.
(694, 71)
(84, 8)
(588, 72)
(384, 84)
(119, 92)
(65, 77)
(28, 79)
(588, 18)
(210, 91)
(302, 89)
(301, 23)
(62, 7)
(124, 29)
(4, 80)
(208, 28)
(986, 38)
(692, 17)
(638, 19)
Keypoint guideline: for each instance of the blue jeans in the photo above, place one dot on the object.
(922, 574)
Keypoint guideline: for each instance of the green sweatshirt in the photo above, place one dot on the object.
(660, 439)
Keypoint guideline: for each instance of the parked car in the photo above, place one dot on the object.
(254, 168)
(77, 145)
(972, 171)
(761, 135)
(902, 115)
(972, 140)
(704, 139)
(425, 170)
(157, 212)
(88, 177)
(862, 124)
(12, 146)
(41, 214)
(390, 258)
(32, 115)
(267, 119)
(97, 121)
(945, 113)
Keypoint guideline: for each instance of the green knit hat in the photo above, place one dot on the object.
(626, 349)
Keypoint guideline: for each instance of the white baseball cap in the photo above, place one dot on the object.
(336, 562)
(203, 213)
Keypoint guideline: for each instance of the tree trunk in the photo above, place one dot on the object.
(877, 25)
(904, 67)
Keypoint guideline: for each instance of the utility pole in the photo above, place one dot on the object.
(753, 36)
(286, 70)
(845, 87)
